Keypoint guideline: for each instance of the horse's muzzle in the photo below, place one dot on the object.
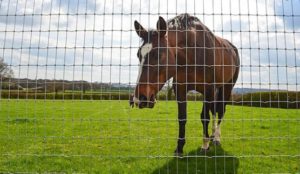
(142, 101)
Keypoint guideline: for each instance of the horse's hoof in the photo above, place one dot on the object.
(216, 143)
(204, 151)
(178, 154)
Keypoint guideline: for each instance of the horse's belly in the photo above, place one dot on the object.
(198, 77)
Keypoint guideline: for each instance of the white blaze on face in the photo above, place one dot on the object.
(144, 51)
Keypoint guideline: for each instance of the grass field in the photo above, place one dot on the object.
(109, 137)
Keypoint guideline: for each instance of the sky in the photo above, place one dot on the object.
(95, 40)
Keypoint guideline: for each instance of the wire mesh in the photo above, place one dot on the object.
(69, 68)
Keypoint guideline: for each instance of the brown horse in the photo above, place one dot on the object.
(185, 49)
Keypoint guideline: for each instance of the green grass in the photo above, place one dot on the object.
(109, 137)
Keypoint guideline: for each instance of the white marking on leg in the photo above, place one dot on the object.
(136, 100)
(144, 51)
(217, 134)
(205, 144)
(214, 125)
(216, 130)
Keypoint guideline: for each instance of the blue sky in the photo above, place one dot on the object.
(68, 42)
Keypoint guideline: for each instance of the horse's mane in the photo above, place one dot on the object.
(184, 22)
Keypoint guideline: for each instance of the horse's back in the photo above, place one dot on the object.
(219, 57)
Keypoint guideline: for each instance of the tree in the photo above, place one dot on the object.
(56, 86)
(84, 85)
(5, 71)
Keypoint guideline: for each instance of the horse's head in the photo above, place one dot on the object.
(156, 62)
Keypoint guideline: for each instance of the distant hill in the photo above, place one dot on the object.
(249, 90)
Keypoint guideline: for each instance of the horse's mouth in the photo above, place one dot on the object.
(146, 104)
(142, 103)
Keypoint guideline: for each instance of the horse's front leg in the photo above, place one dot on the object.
(182, 122)
(180, 91)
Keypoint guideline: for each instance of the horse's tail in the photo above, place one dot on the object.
(237, 65)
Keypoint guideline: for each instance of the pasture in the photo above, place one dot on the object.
(110, 137)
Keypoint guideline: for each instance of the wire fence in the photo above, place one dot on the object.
(69, 68)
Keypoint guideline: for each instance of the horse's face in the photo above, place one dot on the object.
(155, 60)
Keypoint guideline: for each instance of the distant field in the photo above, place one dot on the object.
(110, 137)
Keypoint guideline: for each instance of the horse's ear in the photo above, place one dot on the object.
(161, 26)
(140, 30)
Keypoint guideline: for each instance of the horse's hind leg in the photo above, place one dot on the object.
(214, 110)
(216, 127)
(223, 97)
(205, 118)
(205, 121)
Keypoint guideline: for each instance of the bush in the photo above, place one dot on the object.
(168, 96)
(64, 96)
(274, 99)
(78, 95)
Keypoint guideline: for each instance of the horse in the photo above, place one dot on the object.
(184, 49)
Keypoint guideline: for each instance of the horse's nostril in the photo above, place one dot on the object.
(142, 98)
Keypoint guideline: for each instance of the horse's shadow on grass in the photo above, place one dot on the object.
(215, 161)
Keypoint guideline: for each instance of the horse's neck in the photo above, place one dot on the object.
(175, 39)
